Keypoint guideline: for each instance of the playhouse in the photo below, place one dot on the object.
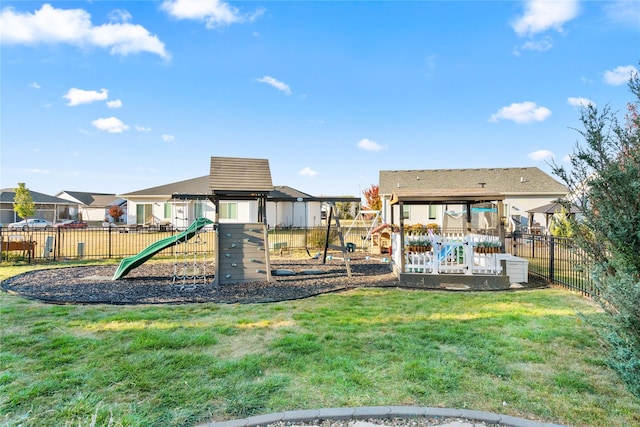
(469, 258)
(381, 240)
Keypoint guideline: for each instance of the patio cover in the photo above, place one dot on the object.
(446, 196)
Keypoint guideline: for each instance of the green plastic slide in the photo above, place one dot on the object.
(128, 264)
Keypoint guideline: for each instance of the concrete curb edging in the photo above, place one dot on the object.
(365, 412)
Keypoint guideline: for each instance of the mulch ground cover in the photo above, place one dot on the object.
(154, 283)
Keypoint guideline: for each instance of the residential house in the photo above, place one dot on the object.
(94, 207)
(524, 189)
(48, 207)
(179, 203)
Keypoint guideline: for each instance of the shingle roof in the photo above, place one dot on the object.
(284, 193)
(230, 175)
(193, 186)
(8, 194)
(92, 199)
(200, 186)
(508, 181)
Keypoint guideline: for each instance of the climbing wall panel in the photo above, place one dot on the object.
(242, 257)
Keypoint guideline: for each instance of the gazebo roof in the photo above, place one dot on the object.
(553, 208)
(446, 196)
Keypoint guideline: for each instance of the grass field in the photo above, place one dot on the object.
(528, 354)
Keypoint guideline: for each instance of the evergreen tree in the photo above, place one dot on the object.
(604, 179)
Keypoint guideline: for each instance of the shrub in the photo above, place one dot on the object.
(317, 236)
(603, 181)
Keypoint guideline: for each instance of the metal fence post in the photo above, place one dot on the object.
(552, 251)
(533, 245)
(110, 240)
(58, 244)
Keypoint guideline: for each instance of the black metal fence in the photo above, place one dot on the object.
(120, 242)
(556, 259)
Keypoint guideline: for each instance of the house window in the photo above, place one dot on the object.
(228, 210)
(406, 210)
(432, 211)
(167, 211)
(198, 209)
(144, 213)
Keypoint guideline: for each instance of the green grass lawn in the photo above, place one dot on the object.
(527, 354)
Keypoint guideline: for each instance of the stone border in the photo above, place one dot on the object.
(366, 412)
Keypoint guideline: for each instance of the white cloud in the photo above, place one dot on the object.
(275, 83)
(114, 104)
(541, 155)
(542, 15)
(38, 171)
(523, 112)
(566, 158)
(307, 171)
(368, 145)
(142, 129)
(580, 102)
(623, 12)
(620, 75)
(168, 138)
(50, 25)
(80, 96)
(120, 15)
(34, 85)
(214, 13)
(110, 124)
(535, 45)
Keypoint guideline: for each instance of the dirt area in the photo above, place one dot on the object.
(153, 283)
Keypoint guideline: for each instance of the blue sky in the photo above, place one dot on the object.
(117, 96)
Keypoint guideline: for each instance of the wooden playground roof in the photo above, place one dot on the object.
(446, 196)
(239, 177)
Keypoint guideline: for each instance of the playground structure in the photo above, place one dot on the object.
(128, 264)
(190, 262)
(241, 253)
(241, 250)
(361, 220)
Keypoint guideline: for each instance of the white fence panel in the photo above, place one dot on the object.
(451, 253)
